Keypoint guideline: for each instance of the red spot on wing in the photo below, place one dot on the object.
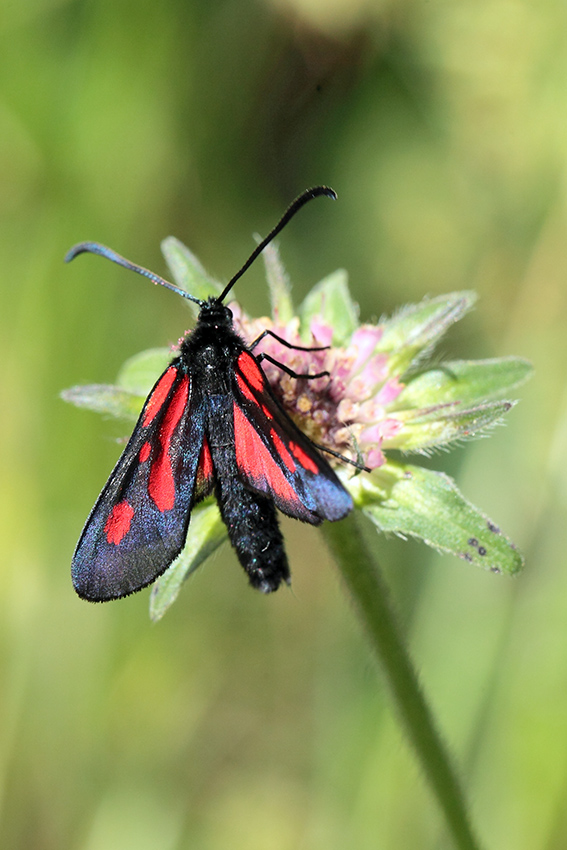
(282, 451)
(251, 371)
(304, 459)
(161, 485)
(145, 452)
(256, 462)
(205, 468)
(159, 395)
(247, 393)
(119, 521)
(245, 389)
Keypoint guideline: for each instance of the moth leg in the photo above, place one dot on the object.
(289, 371)
(262, 356)
(286, 343)
(356, 463)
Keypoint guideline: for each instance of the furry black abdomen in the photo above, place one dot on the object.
(254, 532)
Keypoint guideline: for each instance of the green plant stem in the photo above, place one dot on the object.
(363, 578)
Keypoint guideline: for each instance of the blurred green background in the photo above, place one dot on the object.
(241, 721)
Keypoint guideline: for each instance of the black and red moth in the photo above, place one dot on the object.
(211, 423)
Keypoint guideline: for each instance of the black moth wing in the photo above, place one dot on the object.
(275, 458)
(139, 522)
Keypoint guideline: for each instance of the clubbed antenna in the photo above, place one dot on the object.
(97, 248)
(299, 202)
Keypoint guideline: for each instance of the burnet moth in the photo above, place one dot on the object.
(210, 424)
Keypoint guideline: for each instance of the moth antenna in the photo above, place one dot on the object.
(293, 208)
(97, 248)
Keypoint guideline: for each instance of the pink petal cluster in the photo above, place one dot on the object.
(346, 411)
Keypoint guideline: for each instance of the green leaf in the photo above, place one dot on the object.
(279, 285)
(206, 532)
(188, 273)
(468, 381)
(442, 424)
(125, 399)
(415, 502)
(105, 398)
(330, 299)
(140, 372)
(413, 331)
